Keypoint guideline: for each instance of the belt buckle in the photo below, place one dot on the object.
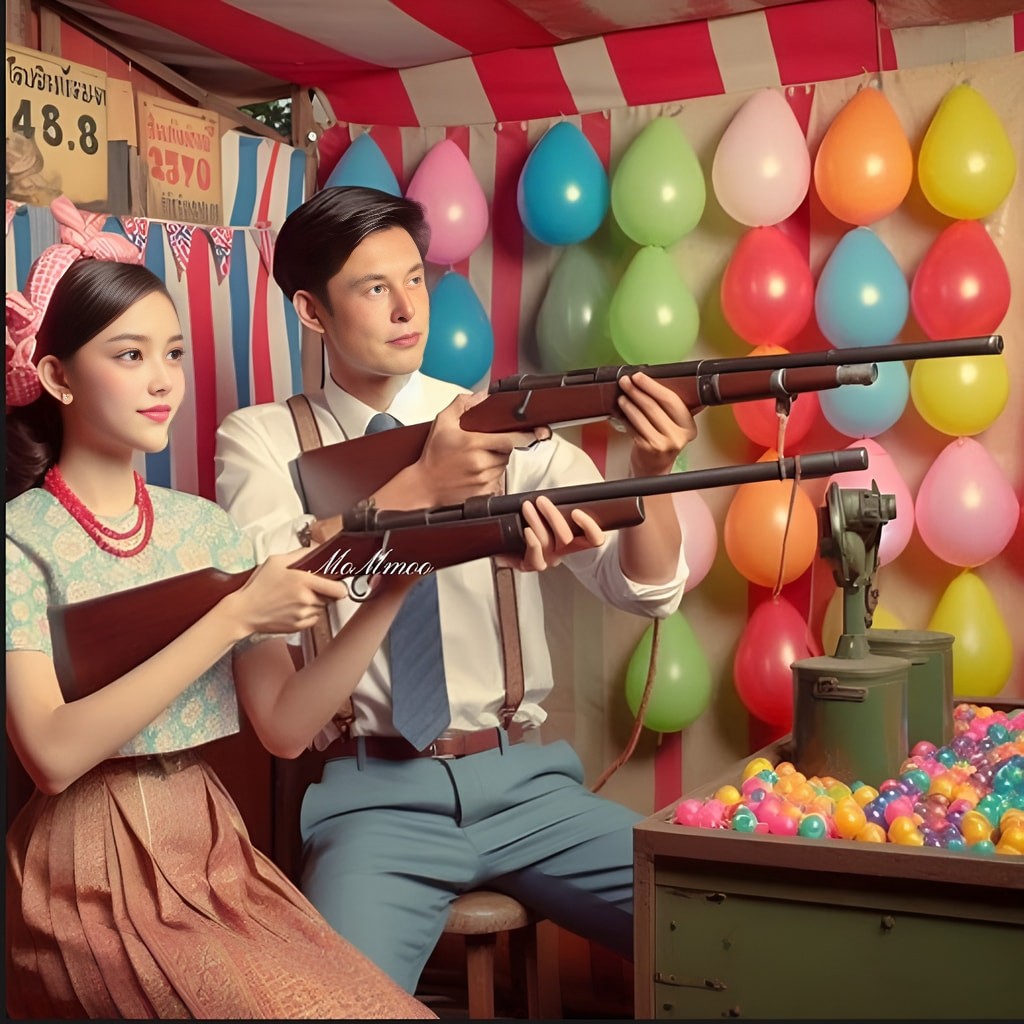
(439, 757)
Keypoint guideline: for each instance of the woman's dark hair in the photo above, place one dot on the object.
(317, 238)
(91, 295)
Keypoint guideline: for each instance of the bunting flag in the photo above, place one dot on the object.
(267, 236)
(179, 237)
(137, 231)
(220, 240)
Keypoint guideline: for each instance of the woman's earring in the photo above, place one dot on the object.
(66, 397)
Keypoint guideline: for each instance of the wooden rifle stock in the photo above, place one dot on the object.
(339, 476)
(92, 648)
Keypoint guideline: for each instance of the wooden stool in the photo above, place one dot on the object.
(480, 916)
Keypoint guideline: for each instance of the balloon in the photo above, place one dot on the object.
(767, 289)
(960, 395)
(761, 168)
(774, 637)
(832, 624)
(700, 535)
(682, 679)
(653, 318)
(864, 410)
(862, 297)
(962, 287)
(966, 509)
(563, 187)
(864, 165)
(572, 322)
(966, 165)
(658, 190)
(756, 524)
(759, 420)
(982, 648)
(364, 164)
(883, 471)
(454, 202)
(460, 346)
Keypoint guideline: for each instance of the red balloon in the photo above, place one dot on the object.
(775, 636)
(962, 287)
(767, 289)
(759, 420)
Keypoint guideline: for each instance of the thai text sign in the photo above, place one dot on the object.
(56, 129)
(181, 147)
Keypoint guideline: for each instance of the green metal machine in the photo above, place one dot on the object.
(850, 708)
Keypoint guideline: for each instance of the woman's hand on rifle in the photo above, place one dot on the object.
(278, 599)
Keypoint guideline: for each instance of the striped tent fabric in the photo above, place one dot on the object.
(435, 62)
(241, 333)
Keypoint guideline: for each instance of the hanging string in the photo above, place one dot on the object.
(789, 519)
(634, 736)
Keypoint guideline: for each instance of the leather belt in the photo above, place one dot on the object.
(454, 743)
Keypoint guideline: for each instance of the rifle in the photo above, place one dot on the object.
(91, 647)
(338, 476)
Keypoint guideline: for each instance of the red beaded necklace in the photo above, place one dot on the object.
(55, 483)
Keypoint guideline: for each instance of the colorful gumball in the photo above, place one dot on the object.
(686, 813)
(904, 831)
(849, 818)
(871, 833)
(813, 826)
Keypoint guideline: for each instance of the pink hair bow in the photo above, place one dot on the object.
(81, 237)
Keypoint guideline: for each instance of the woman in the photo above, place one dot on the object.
(132, 887)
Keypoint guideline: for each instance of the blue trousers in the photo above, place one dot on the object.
(388, 845)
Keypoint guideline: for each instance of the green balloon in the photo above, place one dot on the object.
(682, 680)
(658, 190)
(572, 322)
(652, 317)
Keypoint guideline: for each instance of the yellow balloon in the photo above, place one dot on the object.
(832, 624)
(962, 395)
(966, 165)
(982, 650)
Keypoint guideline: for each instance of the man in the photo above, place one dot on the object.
(392, 834)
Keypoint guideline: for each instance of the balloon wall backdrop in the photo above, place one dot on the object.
(965, 510)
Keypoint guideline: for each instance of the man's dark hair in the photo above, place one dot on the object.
(318, 237)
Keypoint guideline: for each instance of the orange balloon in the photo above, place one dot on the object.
(864, 164)
(755, 527)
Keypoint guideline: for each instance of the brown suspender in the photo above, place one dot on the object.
(504, 589)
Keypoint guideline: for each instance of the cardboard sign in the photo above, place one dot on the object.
(56, 129)
(180, 146)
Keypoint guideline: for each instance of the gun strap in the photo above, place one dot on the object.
(308, 432)
(319, 634)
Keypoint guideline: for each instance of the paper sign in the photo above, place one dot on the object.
(180, 146)
(56, 129)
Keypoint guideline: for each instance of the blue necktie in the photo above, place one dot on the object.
(419, 695)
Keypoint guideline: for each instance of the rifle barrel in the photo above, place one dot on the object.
(815, 464)
(986, 345)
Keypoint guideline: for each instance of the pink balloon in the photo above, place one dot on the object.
(966, 509)
(775, 636)
(882, 469)
(762, 168)
(700, 535)
(455, 204)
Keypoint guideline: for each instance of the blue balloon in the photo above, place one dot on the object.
(460, 345)
(862, 297)
(563, 188)
(364, 164)
(858, 410)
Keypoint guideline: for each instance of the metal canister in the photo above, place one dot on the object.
(930, 683)
(850, 717)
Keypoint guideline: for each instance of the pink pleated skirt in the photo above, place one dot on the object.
(136, 893)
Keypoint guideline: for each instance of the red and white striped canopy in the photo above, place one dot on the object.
(448, 62)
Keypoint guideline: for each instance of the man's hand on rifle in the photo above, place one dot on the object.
(549, 537)
(457, 464)
(659, 422)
